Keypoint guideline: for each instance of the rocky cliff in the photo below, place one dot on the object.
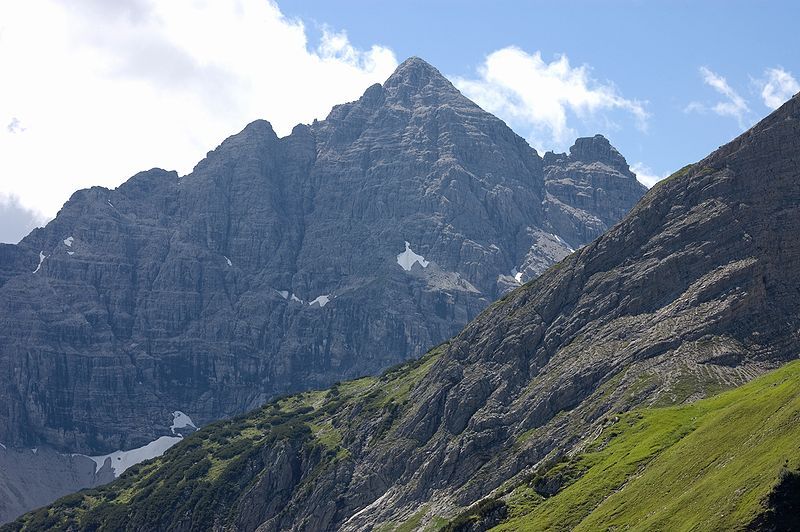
(283, 264)
(694, 291)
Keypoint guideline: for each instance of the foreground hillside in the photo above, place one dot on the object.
(709, 465)
(721, 463)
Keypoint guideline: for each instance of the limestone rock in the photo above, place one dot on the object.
(203, 293)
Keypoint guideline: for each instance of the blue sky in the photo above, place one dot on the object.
(95, 91)
(650, 50)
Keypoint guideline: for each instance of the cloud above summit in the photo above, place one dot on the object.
(775, 87)
(543, 99)
(732, 104)
(95, 91)
(778, 86)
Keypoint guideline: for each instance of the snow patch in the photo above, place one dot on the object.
(3, 446)
(42, 256)
(284, 294)
(111, 204)
(181, 420)
(228, 261)
(70, 253)
(407, 259)
(35, 450)
(122, 460)
(375, 504)
(295, 298)
(516, 275)
(321, 300)
(68, 241)
(562, 241)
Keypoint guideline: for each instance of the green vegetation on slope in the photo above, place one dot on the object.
(710, 465)
(199, 483)
(720, 463)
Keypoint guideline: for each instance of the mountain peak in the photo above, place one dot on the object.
(591, 147)
(418, 73)
(598, 148)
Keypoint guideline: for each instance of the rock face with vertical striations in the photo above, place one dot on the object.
(694, 291)
(284, 264)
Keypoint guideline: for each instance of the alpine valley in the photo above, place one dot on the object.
(646, 381)
(280, 265)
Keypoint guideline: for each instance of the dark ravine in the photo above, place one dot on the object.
(273, 267)
(694, 291)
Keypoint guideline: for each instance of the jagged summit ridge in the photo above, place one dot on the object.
(597, 148)
(416, 74)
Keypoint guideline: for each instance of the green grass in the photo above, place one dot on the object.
(687, 386)
(704, 466)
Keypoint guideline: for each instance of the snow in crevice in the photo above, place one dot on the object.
(3, 446)
(180, 421)
(228, 261)
(295, 298)
(35, 450)
(68, 241)
(320, 300)
(42, 256)
(407, 259)
(110, 204)
(516, 275)
(70, 253)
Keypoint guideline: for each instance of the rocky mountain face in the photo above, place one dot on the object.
(595, 179)
(694, 291)
(284, 264)
(31, 478)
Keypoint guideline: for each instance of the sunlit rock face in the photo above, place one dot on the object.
(282, 264)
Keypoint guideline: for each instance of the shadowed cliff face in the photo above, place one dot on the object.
(694, 291)
(275, 266)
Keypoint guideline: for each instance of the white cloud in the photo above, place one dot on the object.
(645, 175)
(16, 221)
(733, 106)
(536, 96)
(94, 91)
(778, 86)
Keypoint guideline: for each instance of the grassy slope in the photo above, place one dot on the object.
(705, 466)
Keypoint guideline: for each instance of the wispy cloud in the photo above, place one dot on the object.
(777, 86)
(537, 97)
(734, 105)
